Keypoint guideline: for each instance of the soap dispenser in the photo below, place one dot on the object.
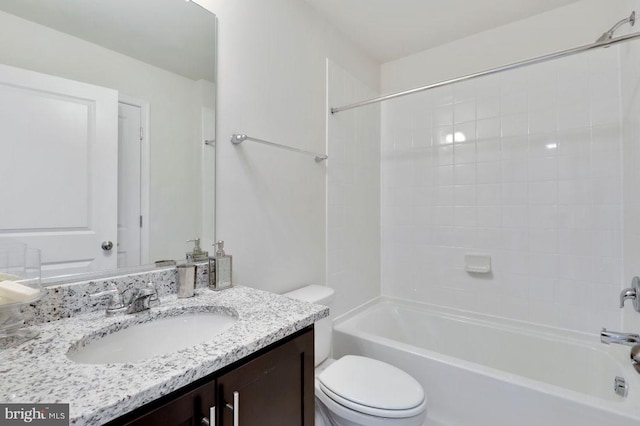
(197, 254)
(220, 277)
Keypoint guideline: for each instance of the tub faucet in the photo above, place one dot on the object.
(627, 339)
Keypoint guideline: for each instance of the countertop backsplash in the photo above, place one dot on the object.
(70, 299)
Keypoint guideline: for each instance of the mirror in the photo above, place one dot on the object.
(156, 59)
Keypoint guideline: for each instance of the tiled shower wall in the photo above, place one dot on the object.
(630, 84)
(524, 166)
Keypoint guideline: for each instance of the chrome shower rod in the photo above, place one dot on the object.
(512, 66)
(239, 138)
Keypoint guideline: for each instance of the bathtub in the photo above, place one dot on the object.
(485, 371)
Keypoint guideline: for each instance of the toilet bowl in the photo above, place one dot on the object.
(356, 390)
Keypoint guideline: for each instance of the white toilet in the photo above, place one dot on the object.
(355, 390)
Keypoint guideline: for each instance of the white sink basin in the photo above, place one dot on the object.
(156, 337)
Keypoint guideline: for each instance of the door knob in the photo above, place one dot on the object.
(107, 245)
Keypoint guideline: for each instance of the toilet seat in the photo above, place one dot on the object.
(372, 387)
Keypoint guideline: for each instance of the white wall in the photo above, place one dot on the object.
(175, 145)
(537, 184)
(271, 204)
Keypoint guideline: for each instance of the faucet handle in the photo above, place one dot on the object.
(116, 299)
(627, 293)
(151, 287)
(632, 293)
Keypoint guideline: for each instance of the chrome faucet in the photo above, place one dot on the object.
(138, 299)
(141, 299)
(627, 339)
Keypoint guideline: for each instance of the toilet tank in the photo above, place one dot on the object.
(320, 295)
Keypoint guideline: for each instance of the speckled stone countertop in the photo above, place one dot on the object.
(39, 371)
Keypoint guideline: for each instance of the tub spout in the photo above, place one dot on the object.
(628, 339)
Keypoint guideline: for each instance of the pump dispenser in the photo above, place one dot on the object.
(220, 274)
(197, 254)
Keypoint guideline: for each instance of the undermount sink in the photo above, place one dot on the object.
(156, 337)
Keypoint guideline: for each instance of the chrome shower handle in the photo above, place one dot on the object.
(627, 293)
(632, 293)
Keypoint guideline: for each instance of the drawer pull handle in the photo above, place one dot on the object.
(235, 408)
(211, 420)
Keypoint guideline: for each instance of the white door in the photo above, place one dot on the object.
(129, 184)
(58, 173)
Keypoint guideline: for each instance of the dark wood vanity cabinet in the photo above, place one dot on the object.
(273, 387)
(187, 410)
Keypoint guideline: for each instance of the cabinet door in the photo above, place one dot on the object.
(187, 410)
(274, 389)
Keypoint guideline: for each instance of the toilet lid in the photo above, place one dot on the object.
(373, 387)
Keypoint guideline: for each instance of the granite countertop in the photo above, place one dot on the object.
(38, 371)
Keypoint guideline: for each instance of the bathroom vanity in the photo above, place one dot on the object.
(260, 368)
(272, 387)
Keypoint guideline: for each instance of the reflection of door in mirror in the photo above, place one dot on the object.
(58, 174)
(130, 158)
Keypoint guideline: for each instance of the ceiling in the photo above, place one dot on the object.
(391, 29)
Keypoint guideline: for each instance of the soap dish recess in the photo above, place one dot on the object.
(477, 263)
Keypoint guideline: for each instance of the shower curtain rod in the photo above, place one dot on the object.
(512, 66)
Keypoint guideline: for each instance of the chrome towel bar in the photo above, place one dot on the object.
(239, 138)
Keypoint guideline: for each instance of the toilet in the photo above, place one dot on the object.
(356, 390)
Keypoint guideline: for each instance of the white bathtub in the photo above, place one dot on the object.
(484, 371)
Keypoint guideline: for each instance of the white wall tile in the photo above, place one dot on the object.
(488, 129)
(465, 217)
(543, 168)
(444, 175)
(465, 195)
(443, 115)
(489, 172)
(515, 125)
(543, 192)
(465, 153)
(464, 132)
(514, 193)
(488, 107)
(573, 115)
(514, 170)
(464, 111)
(543, 121)
(489, 150)
(464, 174)
(489, 194)
(513, 100)
(489, 216)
